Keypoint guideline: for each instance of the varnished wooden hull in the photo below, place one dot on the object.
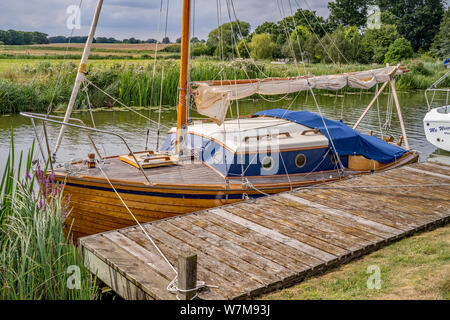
(95, 207)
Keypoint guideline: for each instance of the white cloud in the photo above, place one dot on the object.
(139, 18)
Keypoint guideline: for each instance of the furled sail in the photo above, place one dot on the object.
(213, 98)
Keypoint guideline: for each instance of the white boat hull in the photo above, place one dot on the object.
(437, 127)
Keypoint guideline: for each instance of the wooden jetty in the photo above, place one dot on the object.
(257, 246)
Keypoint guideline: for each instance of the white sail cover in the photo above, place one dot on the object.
(213, 100)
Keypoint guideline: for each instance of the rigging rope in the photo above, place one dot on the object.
(122, 104)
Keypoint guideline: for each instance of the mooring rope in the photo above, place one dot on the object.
(171, 287)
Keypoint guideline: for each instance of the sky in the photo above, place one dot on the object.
(139, 18)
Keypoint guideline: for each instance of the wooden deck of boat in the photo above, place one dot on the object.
(257, 246)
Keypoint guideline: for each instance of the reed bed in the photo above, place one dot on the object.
(37, 261)
(35, 87)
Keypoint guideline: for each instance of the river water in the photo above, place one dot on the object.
(347, 107)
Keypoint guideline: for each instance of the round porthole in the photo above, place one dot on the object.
(267, 163)
(300, 160)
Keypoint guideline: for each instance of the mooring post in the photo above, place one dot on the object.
(187, 275)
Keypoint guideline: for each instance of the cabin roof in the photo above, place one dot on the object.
(259, 134)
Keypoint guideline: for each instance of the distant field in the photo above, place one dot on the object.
(58, 50)
(112, 46)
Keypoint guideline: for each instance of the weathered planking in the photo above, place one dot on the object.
(257, 246)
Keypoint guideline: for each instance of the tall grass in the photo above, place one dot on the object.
(35, 255)
(33, 88)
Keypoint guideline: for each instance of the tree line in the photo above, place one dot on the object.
(13, 37)
(407, 27)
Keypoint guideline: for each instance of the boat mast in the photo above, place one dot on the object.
(184, 65)
(81, 75)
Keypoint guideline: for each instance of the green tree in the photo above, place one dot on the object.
(300, 42)
(261, 46)
(399, 50)
(165, 40)
(376, 42)
(441, 44)
(418, 20)
(388, 17)
(226, 36)
(280, 31)
(199, 49)
(356, 51)
(349, 12)
(241, 49)
(342, 46)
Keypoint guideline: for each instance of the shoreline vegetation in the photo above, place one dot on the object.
(35, 84)
(37, 261)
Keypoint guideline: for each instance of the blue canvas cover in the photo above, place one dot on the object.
(346, 140)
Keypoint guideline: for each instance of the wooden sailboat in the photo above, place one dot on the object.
(210, 163)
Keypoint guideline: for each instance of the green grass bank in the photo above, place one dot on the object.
(36, 84)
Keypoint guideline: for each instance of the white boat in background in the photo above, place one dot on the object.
(437, 120)
(437, 127)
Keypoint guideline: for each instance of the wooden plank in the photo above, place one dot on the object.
(428, 172)
(209, 269)
(233, 248)
(150, 256)
(325, 219)
(435, 167)
(409, 203)
(267, 252)
(417, 196)
(374, 207)
(317, 253)
(326, 232)
(257, 215)
(336, 212)
(264, 241)
(112, 278)
(139, 273)
(210, 260)
(235, 260)
(348, 201)
(275, 216)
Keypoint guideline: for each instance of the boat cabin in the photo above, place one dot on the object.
(257, 146)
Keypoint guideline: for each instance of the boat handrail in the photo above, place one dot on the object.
(71, 119)
(46, 118)
(434, 89)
